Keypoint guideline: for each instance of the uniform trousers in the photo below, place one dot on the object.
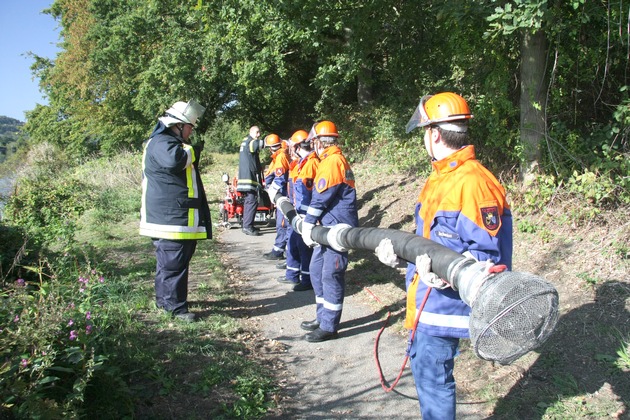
(328, 271)
(171, 273)
(432, 363)
(298, 259)
(280, 243)
(250, 204)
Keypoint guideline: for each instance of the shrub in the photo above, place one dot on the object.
(48, 208)
(224, 136)
(49, 343)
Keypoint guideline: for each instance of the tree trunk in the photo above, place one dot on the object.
(533, 101)
(364, 86)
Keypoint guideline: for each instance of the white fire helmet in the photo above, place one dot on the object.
(183, 112)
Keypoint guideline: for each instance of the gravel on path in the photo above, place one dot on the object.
(336, 379)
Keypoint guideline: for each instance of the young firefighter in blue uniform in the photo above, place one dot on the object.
(298, 254)
(276, 180)
(463, 207)
(334, 201)
(293, 160)
(175, 212)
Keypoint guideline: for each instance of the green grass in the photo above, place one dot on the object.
(128, 359)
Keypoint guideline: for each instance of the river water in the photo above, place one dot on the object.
(6, 184)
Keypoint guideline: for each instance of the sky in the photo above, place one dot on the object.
(23, 28)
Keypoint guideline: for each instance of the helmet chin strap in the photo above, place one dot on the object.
(180, 128)
(430, 133)
(319, 147)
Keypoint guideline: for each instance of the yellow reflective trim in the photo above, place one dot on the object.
(173, 235)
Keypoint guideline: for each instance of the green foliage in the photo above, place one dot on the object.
(16, 250)
(48, 211)
(50, 342)
(71, 342)
(589, 191)
(520, 14)
(9, 127)
(537, 194)
(590, 280)
(47, 200)
(10, 136)
(380, 131)
(253, 403)
(623, 353)
(224, 136)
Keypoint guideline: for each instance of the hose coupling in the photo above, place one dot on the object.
(334, 237)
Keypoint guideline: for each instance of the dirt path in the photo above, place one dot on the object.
(337, 379)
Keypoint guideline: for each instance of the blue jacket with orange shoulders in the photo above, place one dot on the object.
(278, 171)
(463, 207)
(304, 182)
(334, 198)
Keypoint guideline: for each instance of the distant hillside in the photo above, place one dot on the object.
(9, 134)
(9, 127)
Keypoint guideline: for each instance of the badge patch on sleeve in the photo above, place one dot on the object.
(308, 182)
(490, 217)
(321, 184)
(279, 171)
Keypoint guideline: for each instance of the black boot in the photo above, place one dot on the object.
(251, 232)
(320, 335)
(310, 325)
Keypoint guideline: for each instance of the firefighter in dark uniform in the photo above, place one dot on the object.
(250, 178)
(175, 212)
(334, 201)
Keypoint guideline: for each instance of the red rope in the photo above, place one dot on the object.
(378, 336)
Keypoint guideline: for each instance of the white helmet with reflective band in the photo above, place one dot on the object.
(183, 112)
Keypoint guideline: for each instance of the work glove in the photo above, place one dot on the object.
(198, 147)
(423, 268)
(385, 253)
(272, 190)
(307, 232)
(489, 267)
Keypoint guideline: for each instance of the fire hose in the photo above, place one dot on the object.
(512, 313)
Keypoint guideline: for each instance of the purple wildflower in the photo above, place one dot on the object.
(24, 363)
(73, 335)
(20, 282)
(88, 315)
(88, 329)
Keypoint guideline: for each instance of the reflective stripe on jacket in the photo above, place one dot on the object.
(173, 201)
(249, 168)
